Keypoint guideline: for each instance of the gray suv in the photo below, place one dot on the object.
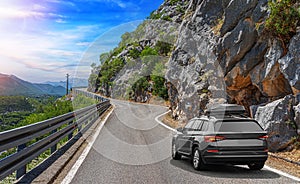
(223, 136)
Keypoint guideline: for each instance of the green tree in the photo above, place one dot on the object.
(103, 57)
(126, 39)
(93, 79)
(159, 88)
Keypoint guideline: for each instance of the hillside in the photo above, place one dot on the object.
(11, 85)
(206, 52)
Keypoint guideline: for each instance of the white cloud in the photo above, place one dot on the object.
(49, 53)
(83, 44)
(56, 15)
(39, 7)
(15, 13)
(69, 3)
(60, 21)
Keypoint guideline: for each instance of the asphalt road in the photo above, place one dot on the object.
(133, 148)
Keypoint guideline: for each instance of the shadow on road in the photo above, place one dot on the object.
(224, 171)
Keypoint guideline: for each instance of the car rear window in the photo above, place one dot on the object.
(237, 126)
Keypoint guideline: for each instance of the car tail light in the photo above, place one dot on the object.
(213, 138)
(212, 151)
(265, 137)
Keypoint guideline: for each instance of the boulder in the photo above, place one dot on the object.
(297, 117)
(290, 64)
(277, 118)
(267, 75)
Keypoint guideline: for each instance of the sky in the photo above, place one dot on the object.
(43, 40)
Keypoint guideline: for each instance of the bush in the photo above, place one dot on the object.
(148, 51)
(283, 20)
(173, 2)
(134, 53)
(110, 70)
(159, 88)
(81, 101)
(163, 47)
(141, 85)
(155, 15)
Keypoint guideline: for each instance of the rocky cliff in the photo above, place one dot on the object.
(222, 52)
(228, 42)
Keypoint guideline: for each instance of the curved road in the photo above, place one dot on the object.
(133, 148)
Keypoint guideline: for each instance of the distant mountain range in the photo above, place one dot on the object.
(12, 85)
(73, 82)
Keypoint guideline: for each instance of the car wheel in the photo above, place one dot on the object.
(256, 166)
(197, 160)
(175, 154)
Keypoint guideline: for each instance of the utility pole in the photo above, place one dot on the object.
(67, 84)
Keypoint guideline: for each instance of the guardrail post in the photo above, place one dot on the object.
(21, 171)
(53, 148)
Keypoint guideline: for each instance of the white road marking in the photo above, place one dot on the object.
(162, 124)
(84, 154)
(282, 173)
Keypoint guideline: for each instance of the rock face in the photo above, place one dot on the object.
(193, 69)
(228, 35)
(278, 119)
(290, 64)
(222, 54)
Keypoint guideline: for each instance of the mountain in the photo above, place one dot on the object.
(11, 85)
(73, 82)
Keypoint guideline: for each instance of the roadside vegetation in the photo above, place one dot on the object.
(18, 111)
(283, 20)
(111, 63)
(21, 111)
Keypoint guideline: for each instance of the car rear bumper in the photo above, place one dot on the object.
(216, 158)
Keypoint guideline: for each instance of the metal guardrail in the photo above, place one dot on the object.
(47, 134)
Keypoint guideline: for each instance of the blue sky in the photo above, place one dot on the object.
(42, 40)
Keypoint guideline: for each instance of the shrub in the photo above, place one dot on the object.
(283, 20)
(180, 9)
(134, 53)
(166, 18)
(163, 47)
(148, 51)
(159, 88)
(141, 85)
(155, 15)
(173, 2)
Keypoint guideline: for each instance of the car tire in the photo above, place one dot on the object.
(197, 161)
(175, 154)
(256, 166)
